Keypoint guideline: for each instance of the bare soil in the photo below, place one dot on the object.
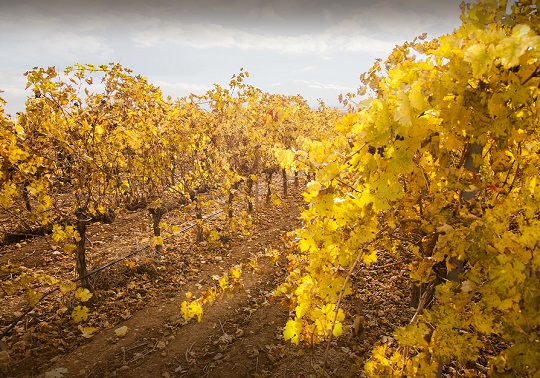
(240, 335)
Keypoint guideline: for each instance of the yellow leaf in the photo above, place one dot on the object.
(224, 282)
(87, 332)
(235, 272)
(338, 329)
(401, 160)
(481, 58)
(292, 331)
(379, 354)
(370, 257)
(83, 294)
(328, 172)
(512, 48)
(80, 313)
(402, 112)
(122, 331)
(158, 240)
(69, 248)
(32, 296)
(58, 233)
(66, 287)
(417, 98)
(8, 288)
(16, 154)
(99, 129)
(213, 236)
(284, 158)
(345, 124)
(19, 129)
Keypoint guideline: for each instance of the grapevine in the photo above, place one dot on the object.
(436, 159)
(445, 150)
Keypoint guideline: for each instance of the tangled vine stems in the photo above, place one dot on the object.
(342, 291)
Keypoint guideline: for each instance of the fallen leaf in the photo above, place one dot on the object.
(122, 331)
(83, 294)
(56, 373)
(87, 332)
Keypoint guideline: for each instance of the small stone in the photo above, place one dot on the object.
(218, 357)
(165, 374)
(124, 368)
(161, 345)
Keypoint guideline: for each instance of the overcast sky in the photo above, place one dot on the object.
(315, 48)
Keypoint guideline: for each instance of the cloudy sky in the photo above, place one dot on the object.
(315, 48)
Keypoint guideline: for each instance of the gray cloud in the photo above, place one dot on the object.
(316, 84)
(188, 45)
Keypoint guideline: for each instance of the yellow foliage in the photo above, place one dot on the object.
(80, 314)
(83, 295)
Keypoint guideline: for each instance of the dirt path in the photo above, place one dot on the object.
(239, 336)
(160, 343)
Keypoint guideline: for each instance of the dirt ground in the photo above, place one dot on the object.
(240, 335)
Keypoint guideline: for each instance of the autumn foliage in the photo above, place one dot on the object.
(96, 140)
(437, 159)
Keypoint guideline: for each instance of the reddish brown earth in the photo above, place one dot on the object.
(239, 336)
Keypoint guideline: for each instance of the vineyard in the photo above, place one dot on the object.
(243, 233)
